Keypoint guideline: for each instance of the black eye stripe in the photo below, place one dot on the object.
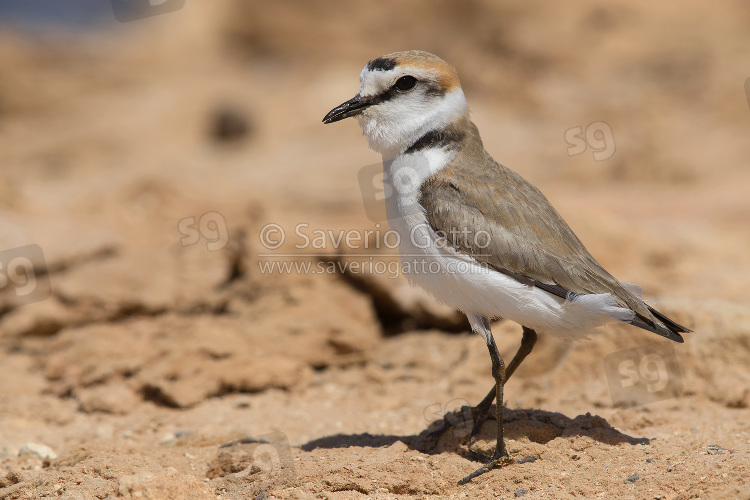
(432, 89)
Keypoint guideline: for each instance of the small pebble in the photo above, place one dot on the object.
(40, 450)
(520, 493)
(714, 449)
(168, 437)
(632, 478)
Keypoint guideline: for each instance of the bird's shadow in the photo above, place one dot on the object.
(447, 434)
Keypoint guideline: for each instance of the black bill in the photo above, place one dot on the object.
(352, 107)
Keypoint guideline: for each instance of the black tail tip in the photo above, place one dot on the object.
(667, 328)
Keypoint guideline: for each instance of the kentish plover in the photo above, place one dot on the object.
(496, 246)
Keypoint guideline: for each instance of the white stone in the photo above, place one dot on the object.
(40, 450)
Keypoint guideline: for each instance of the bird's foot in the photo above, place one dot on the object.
(498, 459)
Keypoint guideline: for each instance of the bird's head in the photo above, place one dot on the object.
(401, 97)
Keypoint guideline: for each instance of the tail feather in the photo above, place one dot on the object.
(667, 328)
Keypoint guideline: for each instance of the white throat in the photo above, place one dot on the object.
(391, 127)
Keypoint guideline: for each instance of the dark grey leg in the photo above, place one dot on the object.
(500, 457)
(480, 411)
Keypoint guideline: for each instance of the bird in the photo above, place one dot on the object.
(494, 245)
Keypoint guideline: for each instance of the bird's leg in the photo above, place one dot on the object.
(500, 457)
(480, 411)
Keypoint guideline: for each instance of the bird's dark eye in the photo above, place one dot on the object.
(405, 83)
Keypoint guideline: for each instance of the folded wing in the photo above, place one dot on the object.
(507, 224)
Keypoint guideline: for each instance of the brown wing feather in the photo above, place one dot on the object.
(520, 230)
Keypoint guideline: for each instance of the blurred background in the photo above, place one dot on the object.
(148, 169)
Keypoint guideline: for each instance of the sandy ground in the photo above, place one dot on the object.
(148, 171)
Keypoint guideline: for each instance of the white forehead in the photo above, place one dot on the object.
(373, 82)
